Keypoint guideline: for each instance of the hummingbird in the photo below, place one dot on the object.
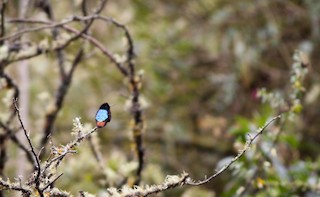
(103, 115)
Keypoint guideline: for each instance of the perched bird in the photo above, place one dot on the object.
(103, 115)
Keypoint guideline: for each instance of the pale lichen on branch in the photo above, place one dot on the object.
(173, 181)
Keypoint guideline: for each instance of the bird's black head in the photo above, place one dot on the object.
(105, 106)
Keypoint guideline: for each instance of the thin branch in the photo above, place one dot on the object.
(261, 159)
(184, 179)
(100, 46)
(48, 25)
(13, 137)
(246, 147)
(88, 25)
(51, 182)
(136, 110)
(3, 155)
(47, 8)
(169, 183)
(7, 185)
(38, 167)
(12, 85)
(64, 150)
(2, 12)
(91, 39)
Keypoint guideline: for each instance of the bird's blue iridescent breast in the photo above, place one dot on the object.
(102, 115)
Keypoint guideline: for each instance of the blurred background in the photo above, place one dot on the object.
(204, 63)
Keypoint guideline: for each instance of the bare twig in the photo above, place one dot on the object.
(3, 155)
(2, 11)
(87, 26)
(49, 25)
(38, 167)
(46, 7)
(248, 184)
(169, 183)
(11, 134)
(51, 182)
(184, 179)
(61, 152)
(136, 110)
(100, 46)
(7, 185)
(246, 147)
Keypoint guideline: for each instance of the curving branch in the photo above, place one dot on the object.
(87, 26)
(49, 25)
(173, 181)
(3, 155)
(240, 154)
